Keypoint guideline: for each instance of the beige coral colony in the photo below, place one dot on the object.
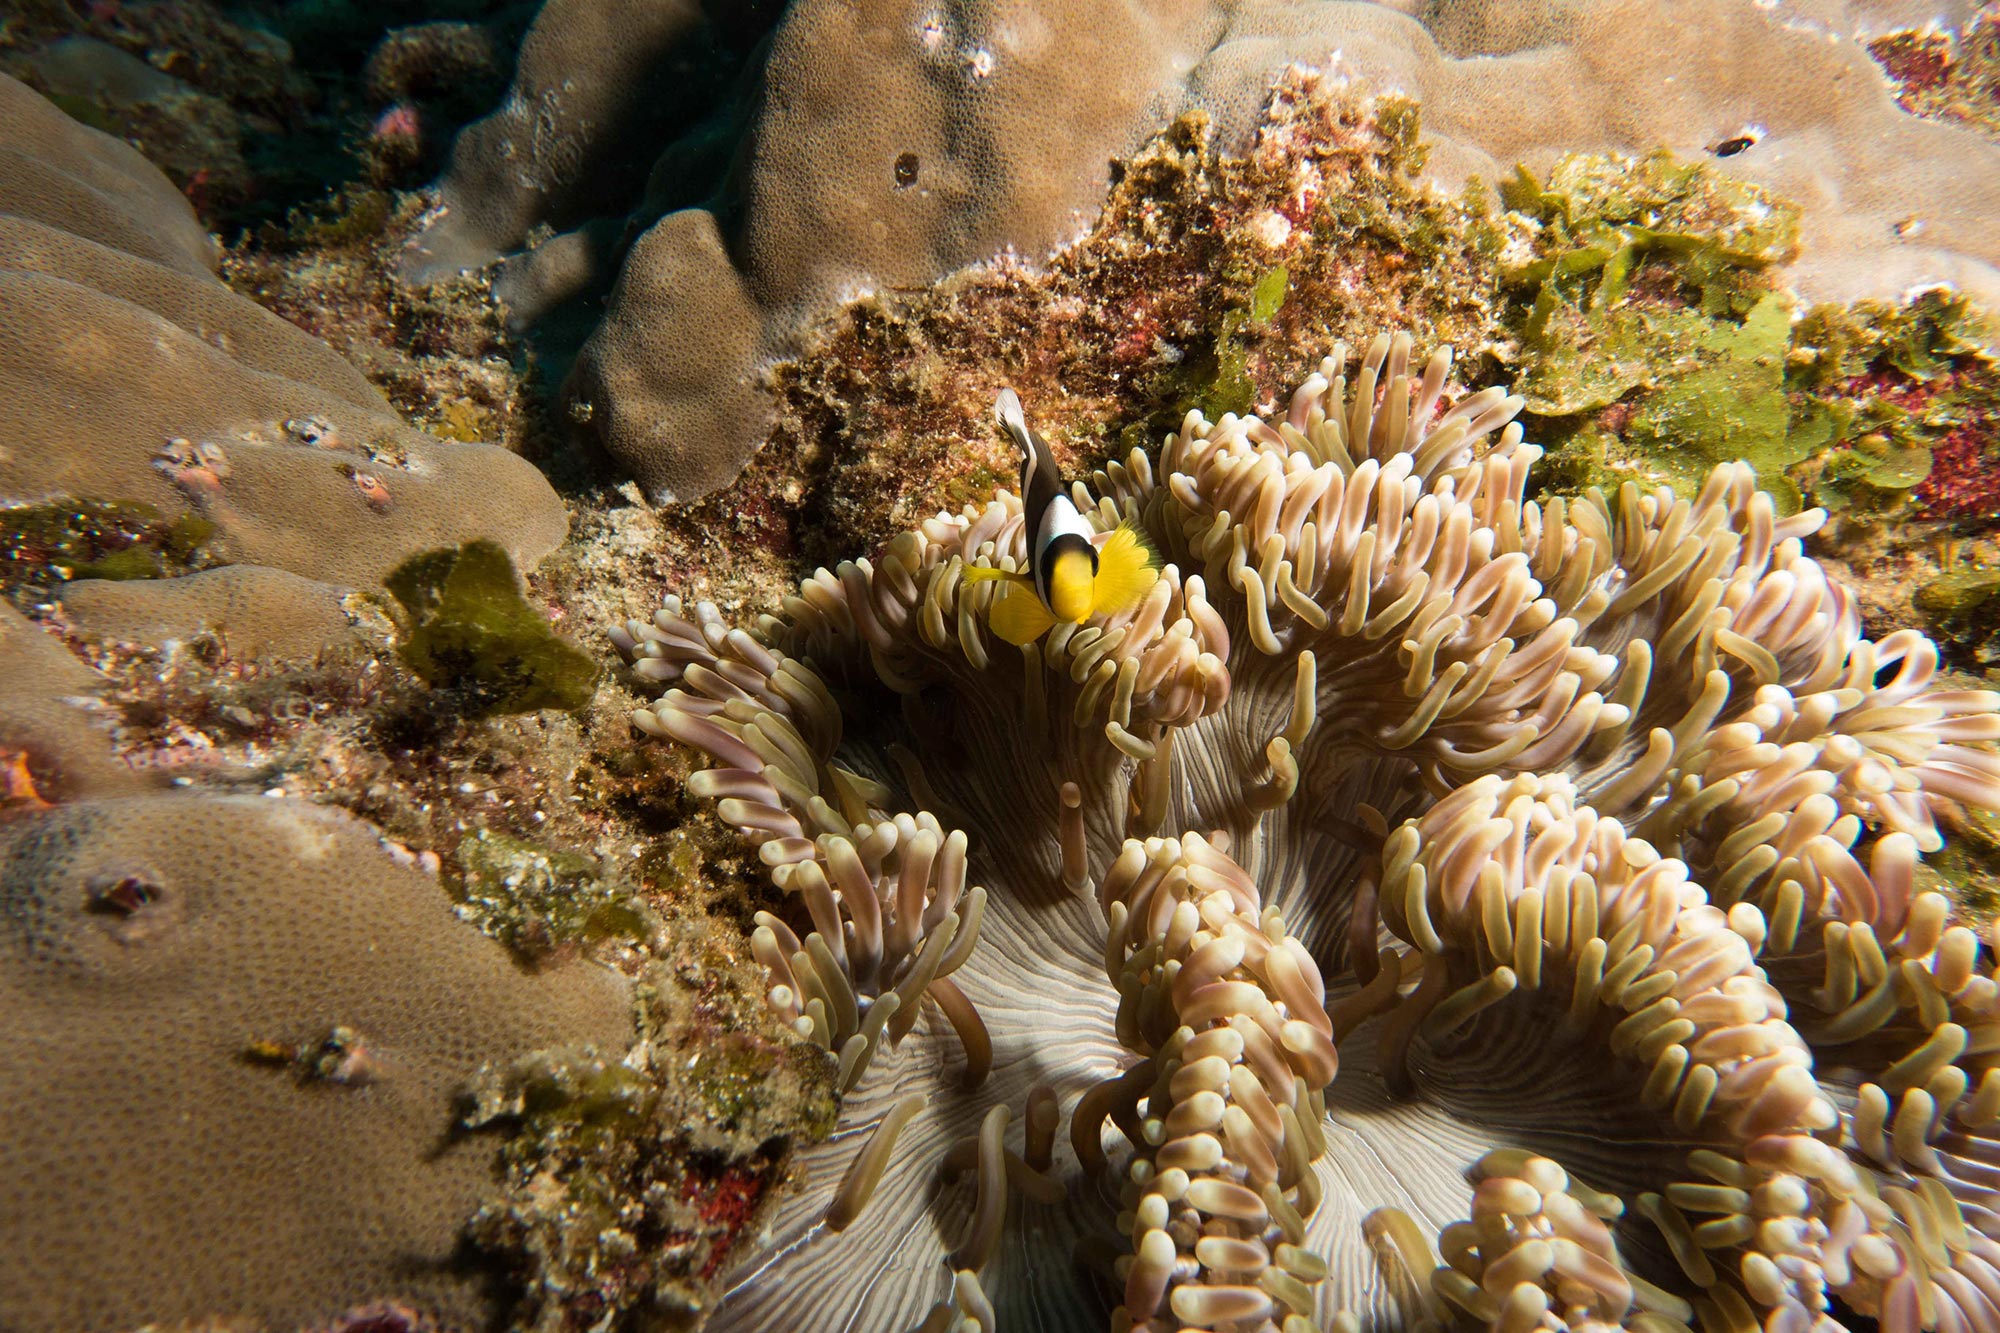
(1583, 837)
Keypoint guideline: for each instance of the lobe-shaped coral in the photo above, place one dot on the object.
(1577, 801)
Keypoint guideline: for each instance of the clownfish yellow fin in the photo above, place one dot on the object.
(1126, 571)
(986, 574)
(1019, 617)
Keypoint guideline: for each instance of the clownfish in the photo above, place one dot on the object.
(1073, 571)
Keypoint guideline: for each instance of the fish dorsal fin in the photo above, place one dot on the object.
(1007, 407)
(1041, 483)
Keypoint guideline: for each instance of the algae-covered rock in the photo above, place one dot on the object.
(1692, 243)
(1962, 607)
(1907, 399)
(534, 899)
(472, 632)
(633, 1185)
(45, 545)
(1650, 329)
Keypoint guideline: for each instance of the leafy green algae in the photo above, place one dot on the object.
(1649, 334)
(1641, 283)
(1725, 399)
(1231, 388)
(469, 630)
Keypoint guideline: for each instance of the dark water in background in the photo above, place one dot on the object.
(258, 109)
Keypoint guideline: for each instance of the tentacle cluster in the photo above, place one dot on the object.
(1537, 1247)
(885, 892)
(1777, 799)
(1224, 1110)
(1912, 1026)
(1509, 886)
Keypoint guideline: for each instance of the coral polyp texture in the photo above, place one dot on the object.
(237, 1036)
(1431, 906)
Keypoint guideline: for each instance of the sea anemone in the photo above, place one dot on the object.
(1577, 802)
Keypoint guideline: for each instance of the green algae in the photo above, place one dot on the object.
(1653, 339)
(1606, 217)
(1962, 592)
(1887, 385)
(1724, 400)
(1963, 610)
(1638, 273)
(1229, 386)
(47, 544)
(1268, 295)
(535, 900)
(1649, 335)
(469, 630)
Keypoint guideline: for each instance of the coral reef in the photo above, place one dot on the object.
(1203, 274)
(50, 748)
(1572, 801)
(420, 81)
(1616, 292)
(740, 267)
(114, 392)
(1201, 998)
(631, 1188)
(236, 1031)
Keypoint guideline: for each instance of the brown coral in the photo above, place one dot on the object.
(127, 372)
(237, 1032)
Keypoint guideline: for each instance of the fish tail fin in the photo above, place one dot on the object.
(1126, 570)
(987, 574)
(1019, 616)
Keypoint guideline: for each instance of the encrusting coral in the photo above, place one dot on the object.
(1579, 802)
